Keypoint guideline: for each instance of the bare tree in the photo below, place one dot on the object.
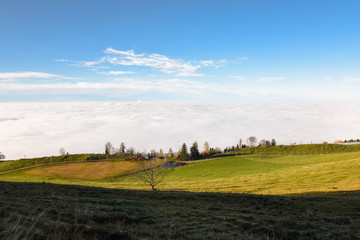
(130, 151)
(252, 141)
(2, 156)
(151, 174)
(62, 151)
(108, 148)
(262, 143)
(206, 148)
(122, 148)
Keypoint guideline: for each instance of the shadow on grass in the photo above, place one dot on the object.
(42, 210)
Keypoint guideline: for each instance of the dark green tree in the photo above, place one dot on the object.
(194, 151)
(2, 156)
(184, 155)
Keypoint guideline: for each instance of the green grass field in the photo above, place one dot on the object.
(289, 174)
(325, 202)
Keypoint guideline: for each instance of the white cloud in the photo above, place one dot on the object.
(351, 79)
(38, 129)
(116, 72)
(22, 75)
(11, 76)
(270, 79)
(157, 61)
(62, 60)
(175, 67)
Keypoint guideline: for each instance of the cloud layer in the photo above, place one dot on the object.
(38, 129)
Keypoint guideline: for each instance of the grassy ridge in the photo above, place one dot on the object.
(21, 163)
(303, 149)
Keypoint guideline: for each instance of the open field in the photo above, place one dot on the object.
(49, 211)
(29, 162)
(296, 174)
(94, 170)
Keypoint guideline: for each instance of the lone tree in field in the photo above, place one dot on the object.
(2, 156)
(62, 151)
(108, 148)
(252, 141)
(194, 151)
(184, 155)
(150, 173)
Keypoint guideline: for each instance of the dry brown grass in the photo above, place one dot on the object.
(90, 171)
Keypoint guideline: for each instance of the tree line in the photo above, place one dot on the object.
(185, 154)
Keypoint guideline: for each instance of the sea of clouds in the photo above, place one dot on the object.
(41, 129)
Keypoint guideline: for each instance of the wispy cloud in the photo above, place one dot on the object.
(11, 76)
(157, 61)
(162, 63)
(116, 72)
(23, 75)
(270, 79)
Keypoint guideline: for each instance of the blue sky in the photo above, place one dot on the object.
(179, 50)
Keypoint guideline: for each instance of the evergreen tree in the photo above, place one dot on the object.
(184, 155)
(194, 151)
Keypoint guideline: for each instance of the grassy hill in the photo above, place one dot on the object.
(28, 162)
(295, 174)
(302, 149)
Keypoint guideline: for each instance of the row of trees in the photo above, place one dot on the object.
(184, 154)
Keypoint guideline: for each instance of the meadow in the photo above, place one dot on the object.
(232, 196)
(255, 174)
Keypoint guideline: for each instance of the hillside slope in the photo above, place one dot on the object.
(296, 174)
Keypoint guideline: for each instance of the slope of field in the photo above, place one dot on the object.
(89, 171)
(302, 149)
(29, 162)
(49, 211)
(265, 175)
(297, 174)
